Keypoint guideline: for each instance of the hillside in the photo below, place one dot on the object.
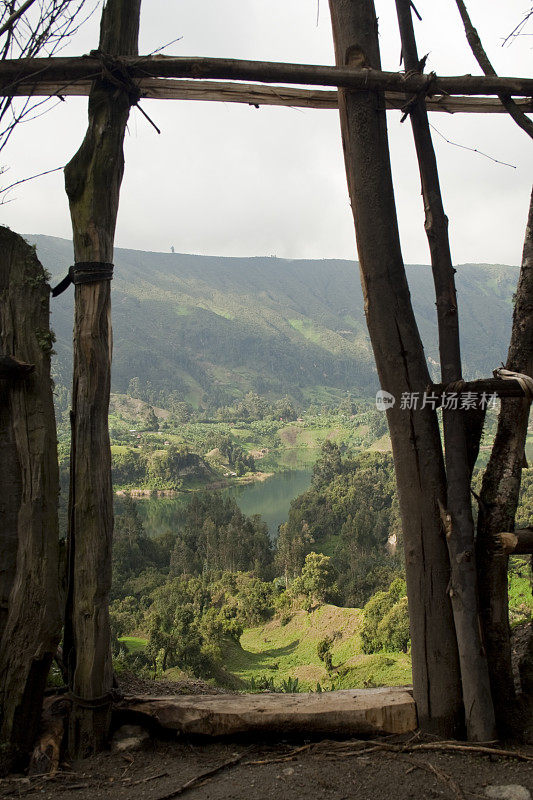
(211, 328)
(284, 649)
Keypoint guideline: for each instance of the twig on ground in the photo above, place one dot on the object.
(147, 779)
(443, 777)
(204, 775)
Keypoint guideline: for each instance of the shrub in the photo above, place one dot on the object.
(386, 620)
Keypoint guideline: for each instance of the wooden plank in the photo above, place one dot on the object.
(348, 712)
(263, 95)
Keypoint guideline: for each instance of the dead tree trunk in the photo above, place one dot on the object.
(479, 710)
(402, 369)
(92, 181)
(499, 497)
(28, 514)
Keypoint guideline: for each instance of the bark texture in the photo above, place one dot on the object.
(477, 699)
(67, 70)
(92, 182)
(30, 618)
(499, 497)
(402, 368)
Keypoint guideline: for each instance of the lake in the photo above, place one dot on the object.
(270, 498)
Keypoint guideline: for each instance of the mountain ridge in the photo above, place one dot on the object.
(210, 328)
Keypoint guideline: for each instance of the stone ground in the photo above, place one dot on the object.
(337, 770)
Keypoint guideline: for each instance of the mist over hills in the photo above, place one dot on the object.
(211, 328)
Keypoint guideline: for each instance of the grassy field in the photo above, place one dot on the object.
(281, 651)
(520, 595)
(134, 643)
(287, 648)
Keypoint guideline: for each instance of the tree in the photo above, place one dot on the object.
(317, 579)
(402, 368)
(30, 615)
(460, 450)
(32, 30)
(499, 497)
(92, 182)
(328, 464)
(152, 422)
(416, 444)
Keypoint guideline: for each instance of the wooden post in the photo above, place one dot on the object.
(402, 369)
(499, 498)
(29, 537)
(479, 710)
(92, 181)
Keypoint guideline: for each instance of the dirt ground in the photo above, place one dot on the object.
(280, 770)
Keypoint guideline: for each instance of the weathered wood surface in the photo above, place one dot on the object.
(264, 95)
(92, 182)
(47, 752)
(29, 579)
(354, 76)
(479, 710)
(349, 712)
(483, 386)
(402, 367)
(517, 543)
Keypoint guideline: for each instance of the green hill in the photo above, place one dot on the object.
(210, 329)
(284, 649)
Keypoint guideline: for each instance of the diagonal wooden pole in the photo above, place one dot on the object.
(92, 182)
(402, 370)
(484, 62)
(459, 522)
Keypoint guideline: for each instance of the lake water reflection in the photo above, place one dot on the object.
(270, 498)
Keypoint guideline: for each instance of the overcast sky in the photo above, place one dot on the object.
(228, 179)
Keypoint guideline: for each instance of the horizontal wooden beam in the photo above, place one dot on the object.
(69, 70)
(264, 95)
(517, 543)
(487, 386)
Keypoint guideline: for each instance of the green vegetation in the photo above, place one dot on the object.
(204, 331)
(386, 620)
(351, 514)
(216, 599)
(283, 649)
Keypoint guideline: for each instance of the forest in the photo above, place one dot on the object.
(191, 602)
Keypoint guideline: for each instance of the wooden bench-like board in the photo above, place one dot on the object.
(347, 712)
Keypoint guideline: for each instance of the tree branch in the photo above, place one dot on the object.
(483, 60)
(15, 15)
